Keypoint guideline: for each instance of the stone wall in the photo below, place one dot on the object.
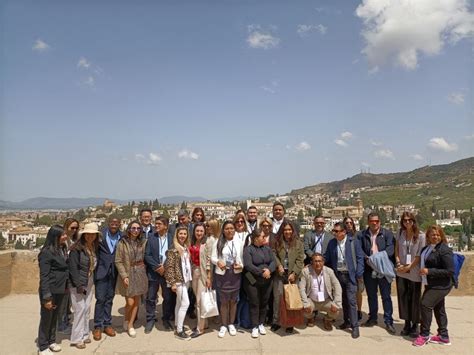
(19, 273)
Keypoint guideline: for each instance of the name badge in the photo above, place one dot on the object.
(320, 296)
(408, 259)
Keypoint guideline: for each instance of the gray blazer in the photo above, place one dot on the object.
(333, 287)
(310, 242)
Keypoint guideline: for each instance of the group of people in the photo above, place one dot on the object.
(248, 261)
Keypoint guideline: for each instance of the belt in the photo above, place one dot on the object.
(138, 263)
(343, 272)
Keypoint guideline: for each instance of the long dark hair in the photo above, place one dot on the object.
(52, 240)
(416, 230)
(193, 237)
(196, 210)
(280, 239)
(67, 223)
(80, 244)
(140, 239)
(222, 239)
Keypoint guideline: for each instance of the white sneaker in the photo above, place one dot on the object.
(262, 330)
(55, 347)
(132, 333)
(222, 332)
(255, 332)
(45, 352)
(232, 330)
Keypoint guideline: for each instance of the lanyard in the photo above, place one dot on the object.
(340, 249)
(319, 280)
(231, 249)
(318, 241)
(408, 244)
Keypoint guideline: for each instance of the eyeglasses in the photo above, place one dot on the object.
(135, 229)
(239, 221)
(348, 222)
(206, 226)
(337, 230)
(319, 222)
(407, 220)
(374, 221)
(266, 226)
(74, 228)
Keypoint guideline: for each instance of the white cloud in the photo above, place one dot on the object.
(456, 98)
(259, 38)
(416, 157)
(346, 135)
(89, 81)
(187, 154)
(304, 30)
(270, 88)
(398, 31)
(288, 146)
(151, 159)
(439, 143)
(469, 137)
(340, 142)
(83, 63)
(303, 146)
(365, 164)
(40, 46)
(384, 154)
(375, 143)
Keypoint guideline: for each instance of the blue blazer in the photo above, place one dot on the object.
(105, 259)
(331, 258)
(152, 255)
(385, 241)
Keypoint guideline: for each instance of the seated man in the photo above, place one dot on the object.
(320, 291)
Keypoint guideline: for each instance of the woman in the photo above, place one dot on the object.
(409, 242)
(53, 277)
(71, 226)
(227, 256)
(178, 275)
(82, 262)
(198, 215)
(213, 230)
(199, 268)
(289, 256)
(351, 231)
(437, 272)
(259, 265)
(133, 282)
(240, 225)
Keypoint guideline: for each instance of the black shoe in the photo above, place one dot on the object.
(414, 331)
(359, 315)
(343, 326)
(406, 329)
(355, 333)
(275, 327)
(149, 326)
(182, 335)
(195, 333)
(390, 328)
(289, 330)
(370, 323)
(192, 315)
(167, 325)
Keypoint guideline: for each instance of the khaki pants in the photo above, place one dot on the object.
(321, 307)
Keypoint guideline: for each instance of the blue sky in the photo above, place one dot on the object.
(142, 99)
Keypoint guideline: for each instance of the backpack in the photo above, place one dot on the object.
(458, 261)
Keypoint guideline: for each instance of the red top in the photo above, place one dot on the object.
(194, 251)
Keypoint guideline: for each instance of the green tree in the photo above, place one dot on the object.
(40, 242)
(80, 215)
(300, 219)
(3, 242)
(460, 242)
(183, 206)
(166, 213)
(19, 245)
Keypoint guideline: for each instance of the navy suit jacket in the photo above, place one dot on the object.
(331, 258)
(105, 259)
(152, 254)
(385, 241)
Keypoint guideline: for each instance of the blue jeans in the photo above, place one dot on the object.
(371, 287)
(104, 295)
(169, 300)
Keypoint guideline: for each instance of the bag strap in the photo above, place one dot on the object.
(353, 255)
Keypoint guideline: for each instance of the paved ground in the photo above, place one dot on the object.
(20, 319)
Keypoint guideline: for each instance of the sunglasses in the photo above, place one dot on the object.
(239, 221)
(337, 230)
(407, 221)
(74, 228)
(135, 229)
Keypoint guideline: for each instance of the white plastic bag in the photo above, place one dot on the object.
(209, 304)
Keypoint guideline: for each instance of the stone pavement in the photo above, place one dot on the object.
(20, 319)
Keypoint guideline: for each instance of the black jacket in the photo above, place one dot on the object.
(79, 264)
(385, 241)
(440, 267)
(105, 259)
(54, 274)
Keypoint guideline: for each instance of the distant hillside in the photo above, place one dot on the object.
(449, 185)
(52, 203)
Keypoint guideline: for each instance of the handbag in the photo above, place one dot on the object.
(290, 318)
(292, 297)
(209, 304)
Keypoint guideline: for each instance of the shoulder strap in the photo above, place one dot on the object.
(353, 255)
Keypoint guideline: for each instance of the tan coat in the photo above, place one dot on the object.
(123, 262)
(331, 283)
(295, 257)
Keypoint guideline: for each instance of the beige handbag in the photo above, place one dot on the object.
(292, 297)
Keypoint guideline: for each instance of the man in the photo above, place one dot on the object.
(320, 291)
(340, 255)
(252, 215)
(155, 256)
(376, 239)
(145, 221)
(317, 239)
(278, 212)
(105, 279)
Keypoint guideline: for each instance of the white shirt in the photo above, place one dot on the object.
(318, 247)
(317, 285)
(276, 225)
(232, 251)
(186, 266)
(341, 255)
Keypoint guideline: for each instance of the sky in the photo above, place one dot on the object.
(145, 99)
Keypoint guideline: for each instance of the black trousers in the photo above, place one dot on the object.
(409, 296)
(48, 323)
(169, 300)
(104, 295)
(433, 301)
(349, 299)
(258, 295)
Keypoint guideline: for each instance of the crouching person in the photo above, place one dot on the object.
(320, 291)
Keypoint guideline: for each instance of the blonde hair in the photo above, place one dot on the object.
(176, 244)
(215, 227)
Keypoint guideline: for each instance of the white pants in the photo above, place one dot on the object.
(81, 305)
(182, 304)
(198, 287)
